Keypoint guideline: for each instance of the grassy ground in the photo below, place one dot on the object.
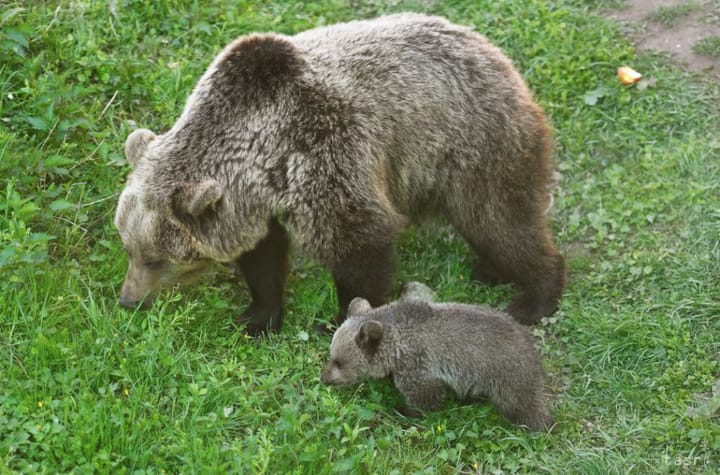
(84, 385)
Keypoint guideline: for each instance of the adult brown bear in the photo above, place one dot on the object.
(338, 138)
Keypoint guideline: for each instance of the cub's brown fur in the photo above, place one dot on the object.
(428, 347)
(338, 138)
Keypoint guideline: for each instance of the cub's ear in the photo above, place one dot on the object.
(358, 305)
(196, 199)
(136, 144)
(417, 291)
(369, 337)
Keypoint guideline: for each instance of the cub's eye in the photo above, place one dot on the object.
(154, 265)
(337, 364)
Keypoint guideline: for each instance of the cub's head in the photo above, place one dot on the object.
(356, 351)
(153, 218)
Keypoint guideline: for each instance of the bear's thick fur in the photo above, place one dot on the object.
(338, 138)
(429, 348)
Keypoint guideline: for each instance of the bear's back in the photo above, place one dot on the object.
(457, 325)
(465, 344)
(407, 59)
(434, 101)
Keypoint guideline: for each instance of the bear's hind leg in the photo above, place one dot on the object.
(526, 257)
(540, 282)
(525, 409)
(485, 271)
(366, 273)
(265, 269)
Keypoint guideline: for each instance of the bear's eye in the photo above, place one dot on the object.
(337, 364)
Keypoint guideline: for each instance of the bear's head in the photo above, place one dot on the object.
(356, 351)
(158, 221)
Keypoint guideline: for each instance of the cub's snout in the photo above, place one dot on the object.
(327, 377)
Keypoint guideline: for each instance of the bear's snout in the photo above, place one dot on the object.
(326, 376)
(132, 304)
(140, 287)
(127, 302)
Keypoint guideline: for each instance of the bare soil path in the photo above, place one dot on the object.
(688, 30)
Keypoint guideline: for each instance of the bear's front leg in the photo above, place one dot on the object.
(265, 269)
(366, 272)
(421, 393)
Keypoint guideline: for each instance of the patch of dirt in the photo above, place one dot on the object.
(674, 26)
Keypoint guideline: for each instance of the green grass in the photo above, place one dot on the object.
(85, 386)
(709, 46)
(669, 15)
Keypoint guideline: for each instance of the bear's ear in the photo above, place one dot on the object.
(358, 305)
(196, 199)
(369, 337)
(416, 291)
(136, 144)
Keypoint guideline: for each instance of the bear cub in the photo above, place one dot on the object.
(429, 347)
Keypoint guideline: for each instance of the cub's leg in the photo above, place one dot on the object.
(365, 272)
(523, 405)
(420, 393)
(265, 269)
